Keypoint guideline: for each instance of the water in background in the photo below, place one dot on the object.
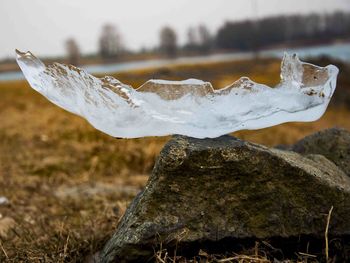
(338, 51)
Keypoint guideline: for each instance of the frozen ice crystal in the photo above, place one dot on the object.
(190, 107)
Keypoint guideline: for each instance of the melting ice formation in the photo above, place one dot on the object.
(190, 107)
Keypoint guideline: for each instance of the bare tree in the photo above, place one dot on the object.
(110, 42)
(73, 51)
(199, 39)
(192, 37)
(168, 41)
(205, 38)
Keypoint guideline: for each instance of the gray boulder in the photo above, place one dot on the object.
(211, 189)
(332, 143)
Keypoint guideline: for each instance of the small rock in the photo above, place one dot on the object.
(6, 224)
(4, 200)
(332, 143)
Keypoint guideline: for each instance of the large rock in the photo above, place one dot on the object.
(332, 143)
(211, 189)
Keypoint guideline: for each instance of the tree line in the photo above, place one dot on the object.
(242, 35)
(250, 35)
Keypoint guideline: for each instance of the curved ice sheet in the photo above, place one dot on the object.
(190, 107)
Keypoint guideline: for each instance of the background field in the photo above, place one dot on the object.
(68, 184)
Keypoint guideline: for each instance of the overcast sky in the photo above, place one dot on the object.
(42, 26)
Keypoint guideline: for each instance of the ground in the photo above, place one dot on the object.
(68, 184)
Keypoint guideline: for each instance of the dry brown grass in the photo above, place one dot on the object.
(68, 184)
(261, 252)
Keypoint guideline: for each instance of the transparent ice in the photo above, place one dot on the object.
(190, 107)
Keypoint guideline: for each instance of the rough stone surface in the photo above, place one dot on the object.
(332, 143)
(211, 189)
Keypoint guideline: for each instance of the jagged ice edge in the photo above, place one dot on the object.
(191, 107)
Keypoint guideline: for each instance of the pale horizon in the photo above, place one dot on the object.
(43, 26)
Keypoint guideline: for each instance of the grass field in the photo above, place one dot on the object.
(68, 184)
